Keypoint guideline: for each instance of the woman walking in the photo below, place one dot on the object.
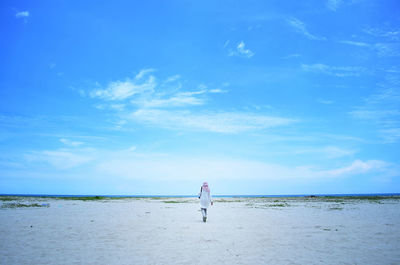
(205, 200)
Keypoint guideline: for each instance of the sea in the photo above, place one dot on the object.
(190, 196)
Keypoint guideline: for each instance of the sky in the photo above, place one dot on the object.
(155, 97)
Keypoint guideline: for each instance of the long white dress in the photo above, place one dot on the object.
(205, 199)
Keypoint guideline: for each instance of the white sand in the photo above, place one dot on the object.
(146, 231)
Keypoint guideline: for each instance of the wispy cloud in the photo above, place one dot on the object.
(226, 43)
(22, 14)
(382, 109)
(358, 167)
(391, 34)
(172, 78)
(220, 122)
(388, 49)
(61, 159)
(301, 28)
(157, 167)
(391, 135)
(176, 100)
(382, 49)
(356, 43)
(384, 41)
(120, 90)
(242, 51)
(130, 164)
(324, 101)
(290, 56)
(334, 4)
(339, 71)
(70, 142)
(326, 151)
(368, 114)
(217, 90)
(148, 103)
(143, 91)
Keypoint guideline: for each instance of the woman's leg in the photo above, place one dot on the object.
(204, 213)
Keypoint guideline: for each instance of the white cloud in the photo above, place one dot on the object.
(172, 78)
(389, 34)
(324, 101)
(242, 51)
(143, 92)
(391, 135)
(156, 106)
(177, 100)
(143, 73)
(382, 49)
(374, 114)
(217, 90)
(119, 107)
(300, 27)
(296, 55)
(156, 167)
(358, 167)
(226, 44)
(132, 148)
(70, 143)
(128, 164)
(22, 14)
(386, 41)
(387, 49)
(60, 159)
(120, 90)
(334, 4)
(381, 111)
(326, 151)
(220, 122)
(343, 71)
(356, 43)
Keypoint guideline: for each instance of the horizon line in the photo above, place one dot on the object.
(218, 195)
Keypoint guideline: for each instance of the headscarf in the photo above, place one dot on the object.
(205, 187)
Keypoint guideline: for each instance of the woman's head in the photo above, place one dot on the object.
(205, 186)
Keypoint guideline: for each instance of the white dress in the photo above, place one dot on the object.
(205, 199)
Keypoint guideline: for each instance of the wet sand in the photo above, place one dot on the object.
(171, 231)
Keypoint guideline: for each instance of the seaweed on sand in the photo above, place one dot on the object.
(229, 200)
(8, 198)
(335, 208)
(23, 205)
(175, 201)
(81, 198)
(278, 205)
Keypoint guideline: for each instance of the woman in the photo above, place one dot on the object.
(205, 200)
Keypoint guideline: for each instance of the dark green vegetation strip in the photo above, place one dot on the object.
(176, 201)
(87, 198)
(9, 198)
(23, 205)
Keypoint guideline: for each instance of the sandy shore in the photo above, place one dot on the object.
(170, 231)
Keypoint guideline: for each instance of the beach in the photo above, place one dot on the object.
(171, 231)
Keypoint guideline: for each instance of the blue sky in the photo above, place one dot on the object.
(154, 97)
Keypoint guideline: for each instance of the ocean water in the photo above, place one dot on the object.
(189, 196)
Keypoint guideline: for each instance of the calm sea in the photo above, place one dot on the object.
(188, 196)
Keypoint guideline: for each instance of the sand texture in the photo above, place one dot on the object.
(171, 231)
